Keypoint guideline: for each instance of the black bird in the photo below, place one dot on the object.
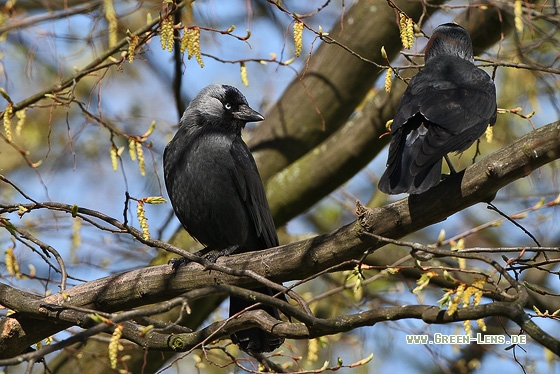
(216, 190)
(445, 108)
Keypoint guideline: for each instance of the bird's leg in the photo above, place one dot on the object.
(213, 257)
(177, 262)
(203, 252)
(451, 168)
(209, 254)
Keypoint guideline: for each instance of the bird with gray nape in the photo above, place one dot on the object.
(446, 107)
(217, 193)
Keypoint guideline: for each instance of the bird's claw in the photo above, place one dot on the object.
(177, 262)
(214, 256)
(206, 253)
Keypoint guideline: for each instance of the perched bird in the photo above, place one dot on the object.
(216, 190)
(446, 107)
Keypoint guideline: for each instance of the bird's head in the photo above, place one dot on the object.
(450, 39)
(220, 106)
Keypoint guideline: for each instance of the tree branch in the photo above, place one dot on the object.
(477, 183)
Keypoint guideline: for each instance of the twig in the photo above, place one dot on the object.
(494, 208)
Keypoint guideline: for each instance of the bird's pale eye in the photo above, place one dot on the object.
(227, 106)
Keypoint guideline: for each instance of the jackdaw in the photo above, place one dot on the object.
(446, 107)
(216, 190)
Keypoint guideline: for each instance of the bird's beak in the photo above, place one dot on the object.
(247, 114)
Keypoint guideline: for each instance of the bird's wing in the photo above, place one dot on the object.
(457, 106)
(251, 190)
(455, 99)
(455, 95)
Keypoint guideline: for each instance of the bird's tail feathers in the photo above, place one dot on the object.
(405, 177)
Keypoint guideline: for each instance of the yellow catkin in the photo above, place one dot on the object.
(388, 80)
(243, 73)
(76, 233)
(8, 121)
(166, 34)
(170, 41)
(21, 115)
(478, 286)
(313, 350)
(489, 134)
(481, 324)
(132, 149)
(462, 298)
(198, 54)
(298, 37)
(518, 15)
(115, 158)
(406, 26)
(3, 18)
(410, 31)
(163, 33)
(12, 264)
(141, 162)
(132, 44)
(191, 43)
(454, 304)
(185, 39)
(114, 345)
(458, 246)
(402, 27)
(466, 296)
(141, 214)
(467, 325)
(112, 20)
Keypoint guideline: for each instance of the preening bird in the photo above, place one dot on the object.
(446, 107)
(216, 190)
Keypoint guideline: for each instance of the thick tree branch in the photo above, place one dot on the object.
(477, 183)
(312, 327)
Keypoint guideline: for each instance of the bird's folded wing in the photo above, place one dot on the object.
(251, 190)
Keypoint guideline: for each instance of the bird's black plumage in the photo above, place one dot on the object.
(216, 190)
(446, 107)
